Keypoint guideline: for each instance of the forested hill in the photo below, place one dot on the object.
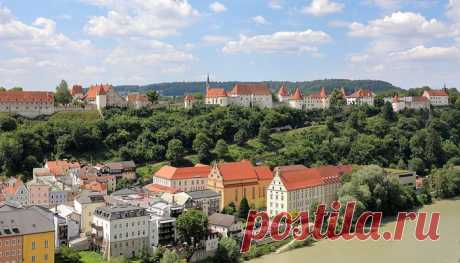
(181, 88)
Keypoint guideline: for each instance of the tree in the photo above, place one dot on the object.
(118, 260)
(67, 255)
(417, 165)
(153, 96)
(227, 251)
(244, 208)
(192, 227)
(221, 149)
(170, 256)
(387, 112)
(230, 209)
(264, 135)
(202, 145)
(62, 95)
(240, 136)
(16, 89)
(175, 151)
(7, 124)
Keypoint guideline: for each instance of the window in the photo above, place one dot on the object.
(46, 257)
(33, 258)
(46, 243)
(33, 244)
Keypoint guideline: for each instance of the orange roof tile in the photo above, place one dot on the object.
(97, 89)
(26, 96)
(173, 173)
(76, 89)
(264, 173)
(157, 188)
(59, 167)
(321, 94)
(362, 93)
(297, 95)
(232, 171)
(216, 92)
(95, 186)
(437, 93)
(283, 91)
(250, 89)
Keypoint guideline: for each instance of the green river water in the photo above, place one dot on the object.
(444, 250)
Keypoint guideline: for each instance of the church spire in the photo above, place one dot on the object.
(207, 82)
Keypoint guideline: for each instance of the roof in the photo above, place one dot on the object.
(157, 188)
(133, 97)
(297, 95)
(321, 94)
(283, 91)
(179, 198)
(97, 89)
(121, 165)
(264, 172)
(361, 93)
(173, 173)
(119, 212)
(76, 89)
(203, 194)
(221, 219)
(26, 96)
(88, 197)
(250, 89)
(189, 98)
(215, 92)
(298, 177)
(232, 171)
(24, 221)
(14, 187)
(126, 191)
(437, 93)
(96, 186)
(59, 167)
(40, 172)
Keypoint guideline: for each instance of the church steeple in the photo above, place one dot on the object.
(207, 82)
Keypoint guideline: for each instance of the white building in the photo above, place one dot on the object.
(216, 96)
(121, 231)
(104, 95)
(361, 97)
(183, 179)
(138, 100)
(296, 100)
(437, 97)
(283, 94)
(251, 95)
(296, 187)
(188, 102)
(318, 100)
(226, 225)
(27, 103)
(416, 103)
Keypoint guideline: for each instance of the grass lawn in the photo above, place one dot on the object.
(147, 170)
(93, 257)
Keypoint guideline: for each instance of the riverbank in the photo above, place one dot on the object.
(446, 249)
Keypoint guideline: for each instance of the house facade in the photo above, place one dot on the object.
(104, 95)
(437, 97)
(361, 97)
(283, 94)
(27, 103)
(183, 179)
(415, 103)
(296, 100)
(246, 95)
(85, 204)
(318, 100)
(138, 100)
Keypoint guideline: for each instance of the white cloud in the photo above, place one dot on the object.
(214, 39)
(260, 20)
(217, 7)
(305, 41)
(151, 18)
(275, 4)
(323, 7)
(428, 53)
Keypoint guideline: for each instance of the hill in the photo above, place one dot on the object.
(181, 88)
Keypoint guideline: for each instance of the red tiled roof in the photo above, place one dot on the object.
(361, 93)
(26, 96)
(297, 95)
(76, 89)
(264, 173)
(133, 97)
(216, 92)
(173, 173)
(189, 98)
(437, 93)
(242, 170)
(250, 89)
(157, 188)
(97, 89)
(321, 94)
(419, 99)
(13, 189)
(283, 91)
(59, 167)
(95, 186)
(297, 177)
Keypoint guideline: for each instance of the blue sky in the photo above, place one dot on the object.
(408, 43)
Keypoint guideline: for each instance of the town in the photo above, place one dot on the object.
(105, 208)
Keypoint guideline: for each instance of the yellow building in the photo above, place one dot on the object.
(240, 179)
(37, 233)
(85, 204)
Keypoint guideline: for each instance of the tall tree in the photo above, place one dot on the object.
(170, 256)
(62, 95)
(221, 149)
(202, 145)
(175, 152)
(192, 228)
(153, 96)
(244, 208)
(228, 251)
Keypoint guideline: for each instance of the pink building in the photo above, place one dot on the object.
(38, 193)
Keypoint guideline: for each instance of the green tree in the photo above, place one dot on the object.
(62, 95)
(191, 228)
(170, 256)
(16, 89)
(67, 255)
(7, 124)
(264, 135)
(230, 209)
(202, 145)
(175, 151)
(228, 251)
(240, 137)
(118, 260)
(153, 96)
(244, 208)
(388, 113)
(221, 149)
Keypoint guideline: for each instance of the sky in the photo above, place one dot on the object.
(409, 43)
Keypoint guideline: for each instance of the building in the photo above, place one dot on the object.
(415, 103)
(283, 94)
(27, 103)
(361, 97)
(318, 100)
(251, 95)
(26, 236)
(296, 100)
(16, 191)
(138, 100)
(62, 167)
(296, 187)
(39, 192)
(207, 201)
(226, 225)
(85, 204)
(405, 178)
(236, 180)
(437, 97)
(124, 169)
(158, 189)
(183, 179)
(189, 100)
(120, 231)
(104, 95)
(77, 92)
(162, 223)
(216, 96)
(96, 186)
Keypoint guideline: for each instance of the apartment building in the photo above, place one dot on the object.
(437, 97)
(184, 179)
(361, 97)
(27, 103)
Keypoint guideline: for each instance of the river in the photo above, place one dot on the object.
(444, 250)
